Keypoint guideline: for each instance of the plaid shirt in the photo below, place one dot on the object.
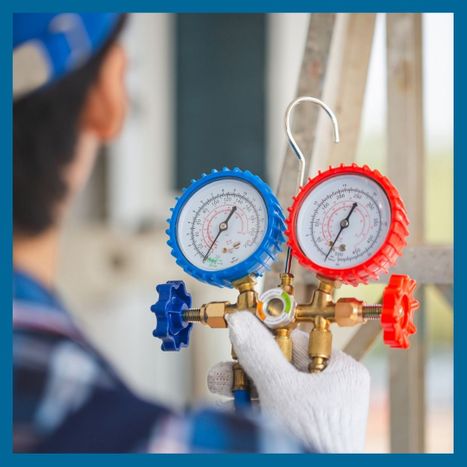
(67, 398)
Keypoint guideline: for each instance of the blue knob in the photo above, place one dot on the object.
(171, 328)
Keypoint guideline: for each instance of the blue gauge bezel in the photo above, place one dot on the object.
(256, 263)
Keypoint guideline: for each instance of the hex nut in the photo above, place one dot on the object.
(349, 312)
(213, 314)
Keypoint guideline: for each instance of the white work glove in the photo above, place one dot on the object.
(328, 411)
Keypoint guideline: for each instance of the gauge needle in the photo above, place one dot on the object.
(343, 225)
(223, 226)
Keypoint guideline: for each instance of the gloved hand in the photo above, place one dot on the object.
(328, 411)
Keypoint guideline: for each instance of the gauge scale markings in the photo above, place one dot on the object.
(257, 218)
(341, 221)
(222, 224)
(327, 198)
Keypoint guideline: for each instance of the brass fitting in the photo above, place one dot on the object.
(247, 298)
(287, 282)
(321, 311)
(319, 345)
(321, 304)
(240, 379)
(348, 312)
(213, 314)
(284, 341)
(327, 285)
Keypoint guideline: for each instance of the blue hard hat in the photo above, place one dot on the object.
(46, 46)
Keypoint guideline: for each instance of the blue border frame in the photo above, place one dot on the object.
(266, 252)
(460, 222)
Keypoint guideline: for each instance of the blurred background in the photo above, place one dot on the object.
(208, 91)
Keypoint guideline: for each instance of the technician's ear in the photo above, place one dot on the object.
(105, 108)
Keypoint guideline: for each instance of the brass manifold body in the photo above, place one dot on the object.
(320, 312)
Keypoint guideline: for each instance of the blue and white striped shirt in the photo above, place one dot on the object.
(67, 398)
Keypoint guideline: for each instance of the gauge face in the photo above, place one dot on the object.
(223, 223)
(343, 221)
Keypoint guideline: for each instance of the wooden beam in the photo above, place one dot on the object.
(405, 142)
(311, 82)
(405, 167)
(447, 291)
(363, 339)
(427, 264)
(344, 90)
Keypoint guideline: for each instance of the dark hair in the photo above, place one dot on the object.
(45, 131)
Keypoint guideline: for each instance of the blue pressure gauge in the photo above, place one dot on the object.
(225, 226)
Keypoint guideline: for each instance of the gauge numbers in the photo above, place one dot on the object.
(343, 221)
(222, 224)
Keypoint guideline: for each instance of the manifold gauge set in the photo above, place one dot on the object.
(348, 224)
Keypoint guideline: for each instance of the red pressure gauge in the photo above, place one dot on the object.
(348, 223)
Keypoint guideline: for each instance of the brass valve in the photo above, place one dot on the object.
(213, 314)
(321, 312)
(278, 311)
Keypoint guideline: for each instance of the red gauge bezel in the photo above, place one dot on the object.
(385, 256)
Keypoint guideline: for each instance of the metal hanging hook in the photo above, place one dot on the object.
(301, 158)
(293, 144)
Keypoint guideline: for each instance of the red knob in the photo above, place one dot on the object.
(397, 312)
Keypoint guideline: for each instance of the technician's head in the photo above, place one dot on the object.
(69, 97)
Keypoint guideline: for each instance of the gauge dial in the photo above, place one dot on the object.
(343, 221)
(348, 223)
(226, 225)
(222, 224)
